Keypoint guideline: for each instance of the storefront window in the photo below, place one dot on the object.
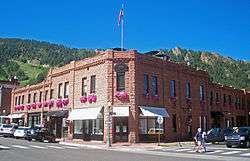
(94, 127)
(97, 127)
(143, 126)
(149, 124)
(78, 124)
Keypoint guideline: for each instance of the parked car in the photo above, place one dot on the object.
(240, 137)
(218, 134)
(7, 130)
(40, 134)
(20, 132)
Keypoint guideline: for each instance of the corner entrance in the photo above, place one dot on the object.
(120, 129)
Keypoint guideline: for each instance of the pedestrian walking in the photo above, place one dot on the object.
(199, 138)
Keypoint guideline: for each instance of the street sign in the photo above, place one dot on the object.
(160, 120)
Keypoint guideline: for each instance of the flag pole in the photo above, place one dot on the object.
(122, 35)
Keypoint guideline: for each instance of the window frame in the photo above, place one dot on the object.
(66, 90)
(154, 85)
(93, 84)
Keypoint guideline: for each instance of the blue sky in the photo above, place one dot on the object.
(214, 25)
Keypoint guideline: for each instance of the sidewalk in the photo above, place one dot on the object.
(123, 146)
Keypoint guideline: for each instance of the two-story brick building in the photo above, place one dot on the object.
(135, 89)
(6, 87)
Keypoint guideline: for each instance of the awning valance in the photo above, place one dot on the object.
(153, 111)
(85, 113)
(16, 115)
(60, 113)
(121, 111)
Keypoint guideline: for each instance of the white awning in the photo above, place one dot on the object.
(16, 115)
(153, 111)
(4, 117)
(85, 113)
(121, 111)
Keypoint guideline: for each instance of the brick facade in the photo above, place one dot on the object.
(5, 95)
(189, 113)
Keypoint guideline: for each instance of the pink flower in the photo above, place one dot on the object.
(59, 103)
(45, 104)
(94, 98)
(39, 105)
(65, 101)
(33, 105)
(17, 108)
(22, 107)
(83, 99)
(50, 103)
(90, 99)
(28, 107)
(121, 95)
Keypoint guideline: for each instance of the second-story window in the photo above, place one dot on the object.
(145, 84)
(188, 90)
(34, 97)
(60, 90)
(120, 81)
(84, 86)
(217, 97)
(224, 99)
(29, 98)
(66, 90)
(46, 95)
(40, 96)
(51, 94)
(211, 97)
(154, 85)
(202, 92)
(229, 100)
(172, 88)
(16, 100)
(22, 99)
(19, 100)
(92, 84)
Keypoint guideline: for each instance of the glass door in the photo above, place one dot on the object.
(121, 129)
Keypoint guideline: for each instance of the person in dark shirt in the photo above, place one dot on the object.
(199, 139)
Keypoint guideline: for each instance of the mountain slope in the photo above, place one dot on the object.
(223, 70)
(29, 60)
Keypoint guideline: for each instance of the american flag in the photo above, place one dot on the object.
(121, 14)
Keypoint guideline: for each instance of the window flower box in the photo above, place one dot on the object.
(121, 95)
(17, 108)
(39, 105)
(92, 98)
(45, 104)
(83, 99)
(22, 107)
(50, 103)
(65, 101)
(155, 97)
(173, 99)
(59, 103)
(33, 105)
(28, 107)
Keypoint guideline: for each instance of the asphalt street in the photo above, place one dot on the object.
(22, 150)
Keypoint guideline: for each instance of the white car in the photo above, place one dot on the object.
(20, 132)
(7, 130)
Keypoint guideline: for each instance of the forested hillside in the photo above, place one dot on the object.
(224, 70)
(29, 60)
